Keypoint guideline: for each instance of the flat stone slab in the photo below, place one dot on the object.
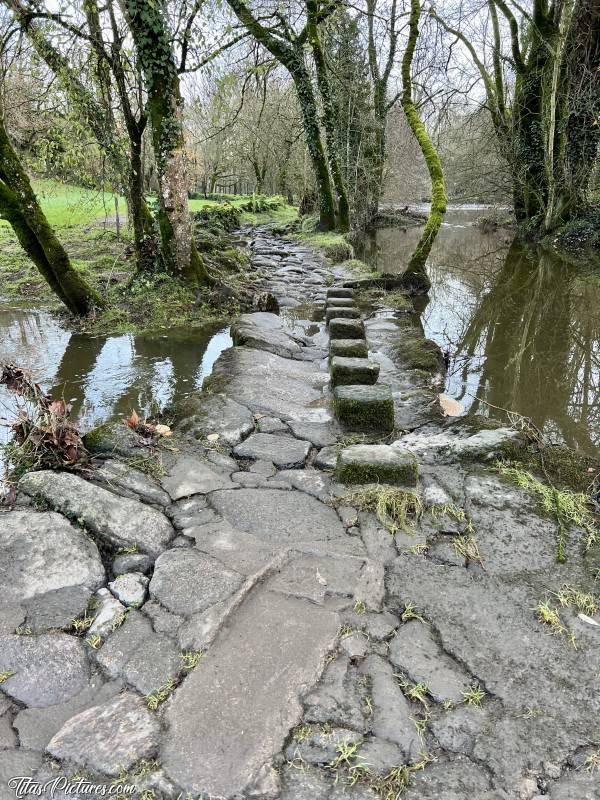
(377, 463)
(186, 581)
(351, 371)
(264, 331)
(110, 737)
(41, 552)
(417, 654)
(341, 312)
(118, 520)
(365, 408)
(123, 479)
(278, 516)
(205, 414)
(48, 669)
(348, 348)
(340, 328)
(232, 715)
(295, 388)
(339, 291)
(191, 476)
(284, 451)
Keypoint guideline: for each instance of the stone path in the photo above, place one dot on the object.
(235, 627)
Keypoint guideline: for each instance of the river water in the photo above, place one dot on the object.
(522, 330)
(521, 326)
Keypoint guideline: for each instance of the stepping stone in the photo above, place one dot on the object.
(365, 408)
(347, 371)
(338, 312)
(348, 348)
(340, 328)
(341, 302)
(377, 463)
(234, 713)
(285, 452)
(339, 291)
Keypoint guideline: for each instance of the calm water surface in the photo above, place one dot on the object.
(104, 376)
(522, 327)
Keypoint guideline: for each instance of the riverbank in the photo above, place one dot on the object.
(220, 614)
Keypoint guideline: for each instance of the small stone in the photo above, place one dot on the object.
(370, 588)
(376, 463)
(347, 371)
(123, 479)
(340, 328)
(130, 588)
(187, 582)
(204, 414)
(109, 612)
(134, 652)
(187, 511)
(265, 468)
(339, 291)
(191, 476)
(341, 312)
(132, 562)
(415, 652)
(285, 452)
(355, 646)
(56, 609)
(326, 458)
(365, 408)
(271, 425)
(108, 738)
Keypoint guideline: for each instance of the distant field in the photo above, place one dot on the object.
(67, 205)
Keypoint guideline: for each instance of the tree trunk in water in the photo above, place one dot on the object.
(19, 206)
(329, 123)
(415, 275)
(151, 39)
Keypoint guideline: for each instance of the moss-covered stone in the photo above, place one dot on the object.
(340, 328)
(338, 312)
(340, 302)
(348, 371)
(338, 251)
(348, 348)
(365, 408)
(339, 291)
(422, 354)
(377, 463)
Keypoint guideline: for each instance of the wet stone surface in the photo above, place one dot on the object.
(252, 633)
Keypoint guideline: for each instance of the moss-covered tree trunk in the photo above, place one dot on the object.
(291, 55)
(124, 165)
(19, 206)
(165, 110)
(416, 275)
(329, 121)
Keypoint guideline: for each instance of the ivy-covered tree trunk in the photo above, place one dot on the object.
(416, 275)
(165, 106)
(291, 55)
(329, 122)
(19, 207)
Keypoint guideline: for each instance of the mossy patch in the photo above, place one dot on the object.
(419, 353)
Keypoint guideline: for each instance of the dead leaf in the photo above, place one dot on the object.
(133, 420)
(450, 407)
(163, 430)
